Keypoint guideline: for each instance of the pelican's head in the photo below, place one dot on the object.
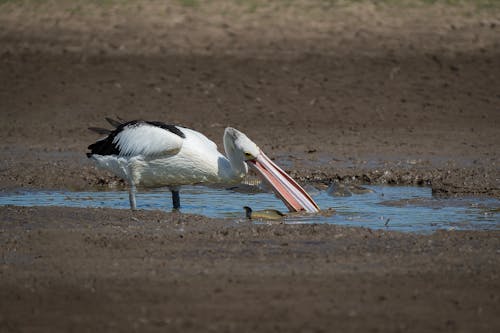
(240, 149)
(239, 146)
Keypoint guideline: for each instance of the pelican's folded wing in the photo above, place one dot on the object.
(148, 140)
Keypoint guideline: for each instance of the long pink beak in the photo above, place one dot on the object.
(285, 187)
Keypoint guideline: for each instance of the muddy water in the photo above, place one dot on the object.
(402, 208)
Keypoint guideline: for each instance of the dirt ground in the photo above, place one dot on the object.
(354, 92)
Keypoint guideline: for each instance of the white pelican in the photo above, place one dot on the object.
(154, 154)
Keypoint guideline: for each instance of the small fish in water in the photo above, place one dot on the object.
(266, 214)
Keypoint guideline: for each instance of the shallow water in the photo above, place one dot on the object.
(399, 208)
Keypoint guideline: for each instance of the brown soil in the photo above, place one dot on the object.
(355, 93)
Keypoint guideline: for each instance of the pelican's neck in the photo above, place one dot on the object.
(233, 166)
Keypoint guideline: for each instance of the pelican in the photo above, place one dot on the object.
(155, 154)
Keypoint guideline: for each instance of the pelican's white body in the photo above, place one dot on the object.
(165, 159)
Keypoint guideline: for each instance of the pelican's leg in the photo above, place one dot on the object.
(131, 196)
(133, 172)
(176, 200)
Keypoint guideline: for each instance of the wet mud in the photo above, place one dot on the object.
(101, 269)
(355, 94)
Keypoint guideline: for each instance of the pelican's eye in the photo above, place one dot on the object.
(249, 156)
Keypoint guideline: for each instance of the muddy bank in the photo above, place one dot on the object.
(322, 118)
(86, 269)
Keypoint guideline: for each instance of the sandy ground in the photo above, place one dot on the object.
(399, 94)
